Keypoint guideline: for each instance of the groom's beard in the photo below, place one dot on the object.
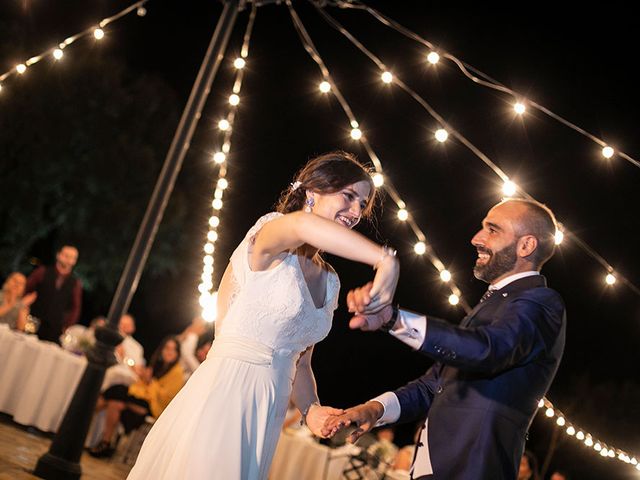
(499, 263)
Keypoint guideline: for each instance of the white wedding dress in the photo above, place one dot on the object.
(225, 422)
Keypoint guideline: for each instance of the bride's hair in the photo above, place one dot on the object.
(328, 173)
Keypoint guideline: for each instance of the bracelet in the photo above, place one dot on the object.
(387, 251)
(386, 327)
(303, 419)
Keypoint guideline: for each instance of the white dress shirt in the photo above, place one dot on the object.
(411, 328)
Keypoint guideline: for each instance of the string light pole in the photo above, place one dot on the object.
(62, 461)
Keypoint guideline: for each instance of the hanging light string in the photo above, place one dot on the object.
(580, 434)
(422, 246)
(57, 52)
(611, 275)
(208, 295)
(486, 80)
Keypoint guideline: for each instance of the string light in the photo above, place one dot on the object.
(519, 108)
(441, 135)
(610, 279)
(98, 33)
(325, 87)
(587, 438)
(234, 99)
(239, 63)
(356, 133)
(420, 248)
(378, 180)
(607, 152)
(403, 215)
(387, 77)
(433, 58)
(454, 299)
(445, 275)
(509, 188)
(491, 84)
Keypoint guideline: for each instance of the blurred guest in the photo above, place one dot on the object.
(189, 344)
(404, 457)
(14, 304)
(59, 294)
(150, 395)
(383, 448)
(559, 475)
(528, 467)
(129, 352)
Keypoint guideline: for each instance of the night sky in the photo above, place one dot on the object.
(577, 65)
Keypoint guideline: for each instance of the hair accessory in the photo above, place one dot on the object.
(308, 204)
(295, 185)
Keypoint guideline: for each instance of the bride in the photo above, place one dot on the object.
(275, 301)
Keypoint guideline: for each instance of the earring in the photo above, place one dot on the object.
(308, 204)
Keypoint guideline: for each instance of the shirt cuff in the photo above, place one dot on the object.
(410, 328)
(391, 406)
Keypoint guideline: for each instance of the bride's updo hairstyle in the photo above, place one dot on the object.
(328, 173)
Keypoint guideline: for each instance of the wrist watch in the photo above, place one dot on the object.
(387, 326)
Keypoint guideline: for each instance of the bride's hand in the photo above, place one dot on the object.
(384, 284)
(317, 416)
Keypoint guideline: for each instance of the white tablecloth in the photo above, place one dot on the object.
(300, 457)
(37, 379)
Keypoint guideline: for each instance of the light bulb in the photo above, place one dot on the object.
(549, 412)
(21, 68)
(224, 124)
(597, 447)
(588, 442)
(209, 248)
(378, 179)
(403, 214)
(58, 53)
(234, 99)
(212, 236)
(324, 86)
(356, 134)
(519, 108)
(445, 275)
(433, 58)
(387, 77)
(214, 221)
(420, 248)
(610, 279)
(580, 435)
(239, 63)
(222, 183)
(217, 204)
(541, 403)
(454, 299)
(560, 421)
(441, 135)
(98, 33)
(509, 188)
(607, 152)
(141, 11)
(219, 157)
(207, 260)
(558, 237)
(571, 431)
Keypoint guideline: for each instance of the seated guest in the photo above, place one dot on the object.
(189, 340)
(129, 352)
(14, 304)
(150, 395)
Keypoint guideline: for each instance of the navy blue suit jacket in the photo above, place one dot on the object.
(490, 372)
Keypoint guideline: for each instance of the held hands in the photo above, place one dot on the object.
(384, 285)
(358, 301)
(318, 416)
(363, 416)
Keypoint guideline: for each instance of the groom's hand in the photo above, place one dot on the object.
(363, 417)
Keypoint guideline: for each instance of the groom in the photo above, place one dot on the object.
(490, 372)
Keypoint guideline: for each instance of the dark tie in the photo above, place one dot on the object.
(487, 294)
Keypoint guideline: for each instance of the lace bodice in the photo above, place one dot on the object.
(275, 307)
